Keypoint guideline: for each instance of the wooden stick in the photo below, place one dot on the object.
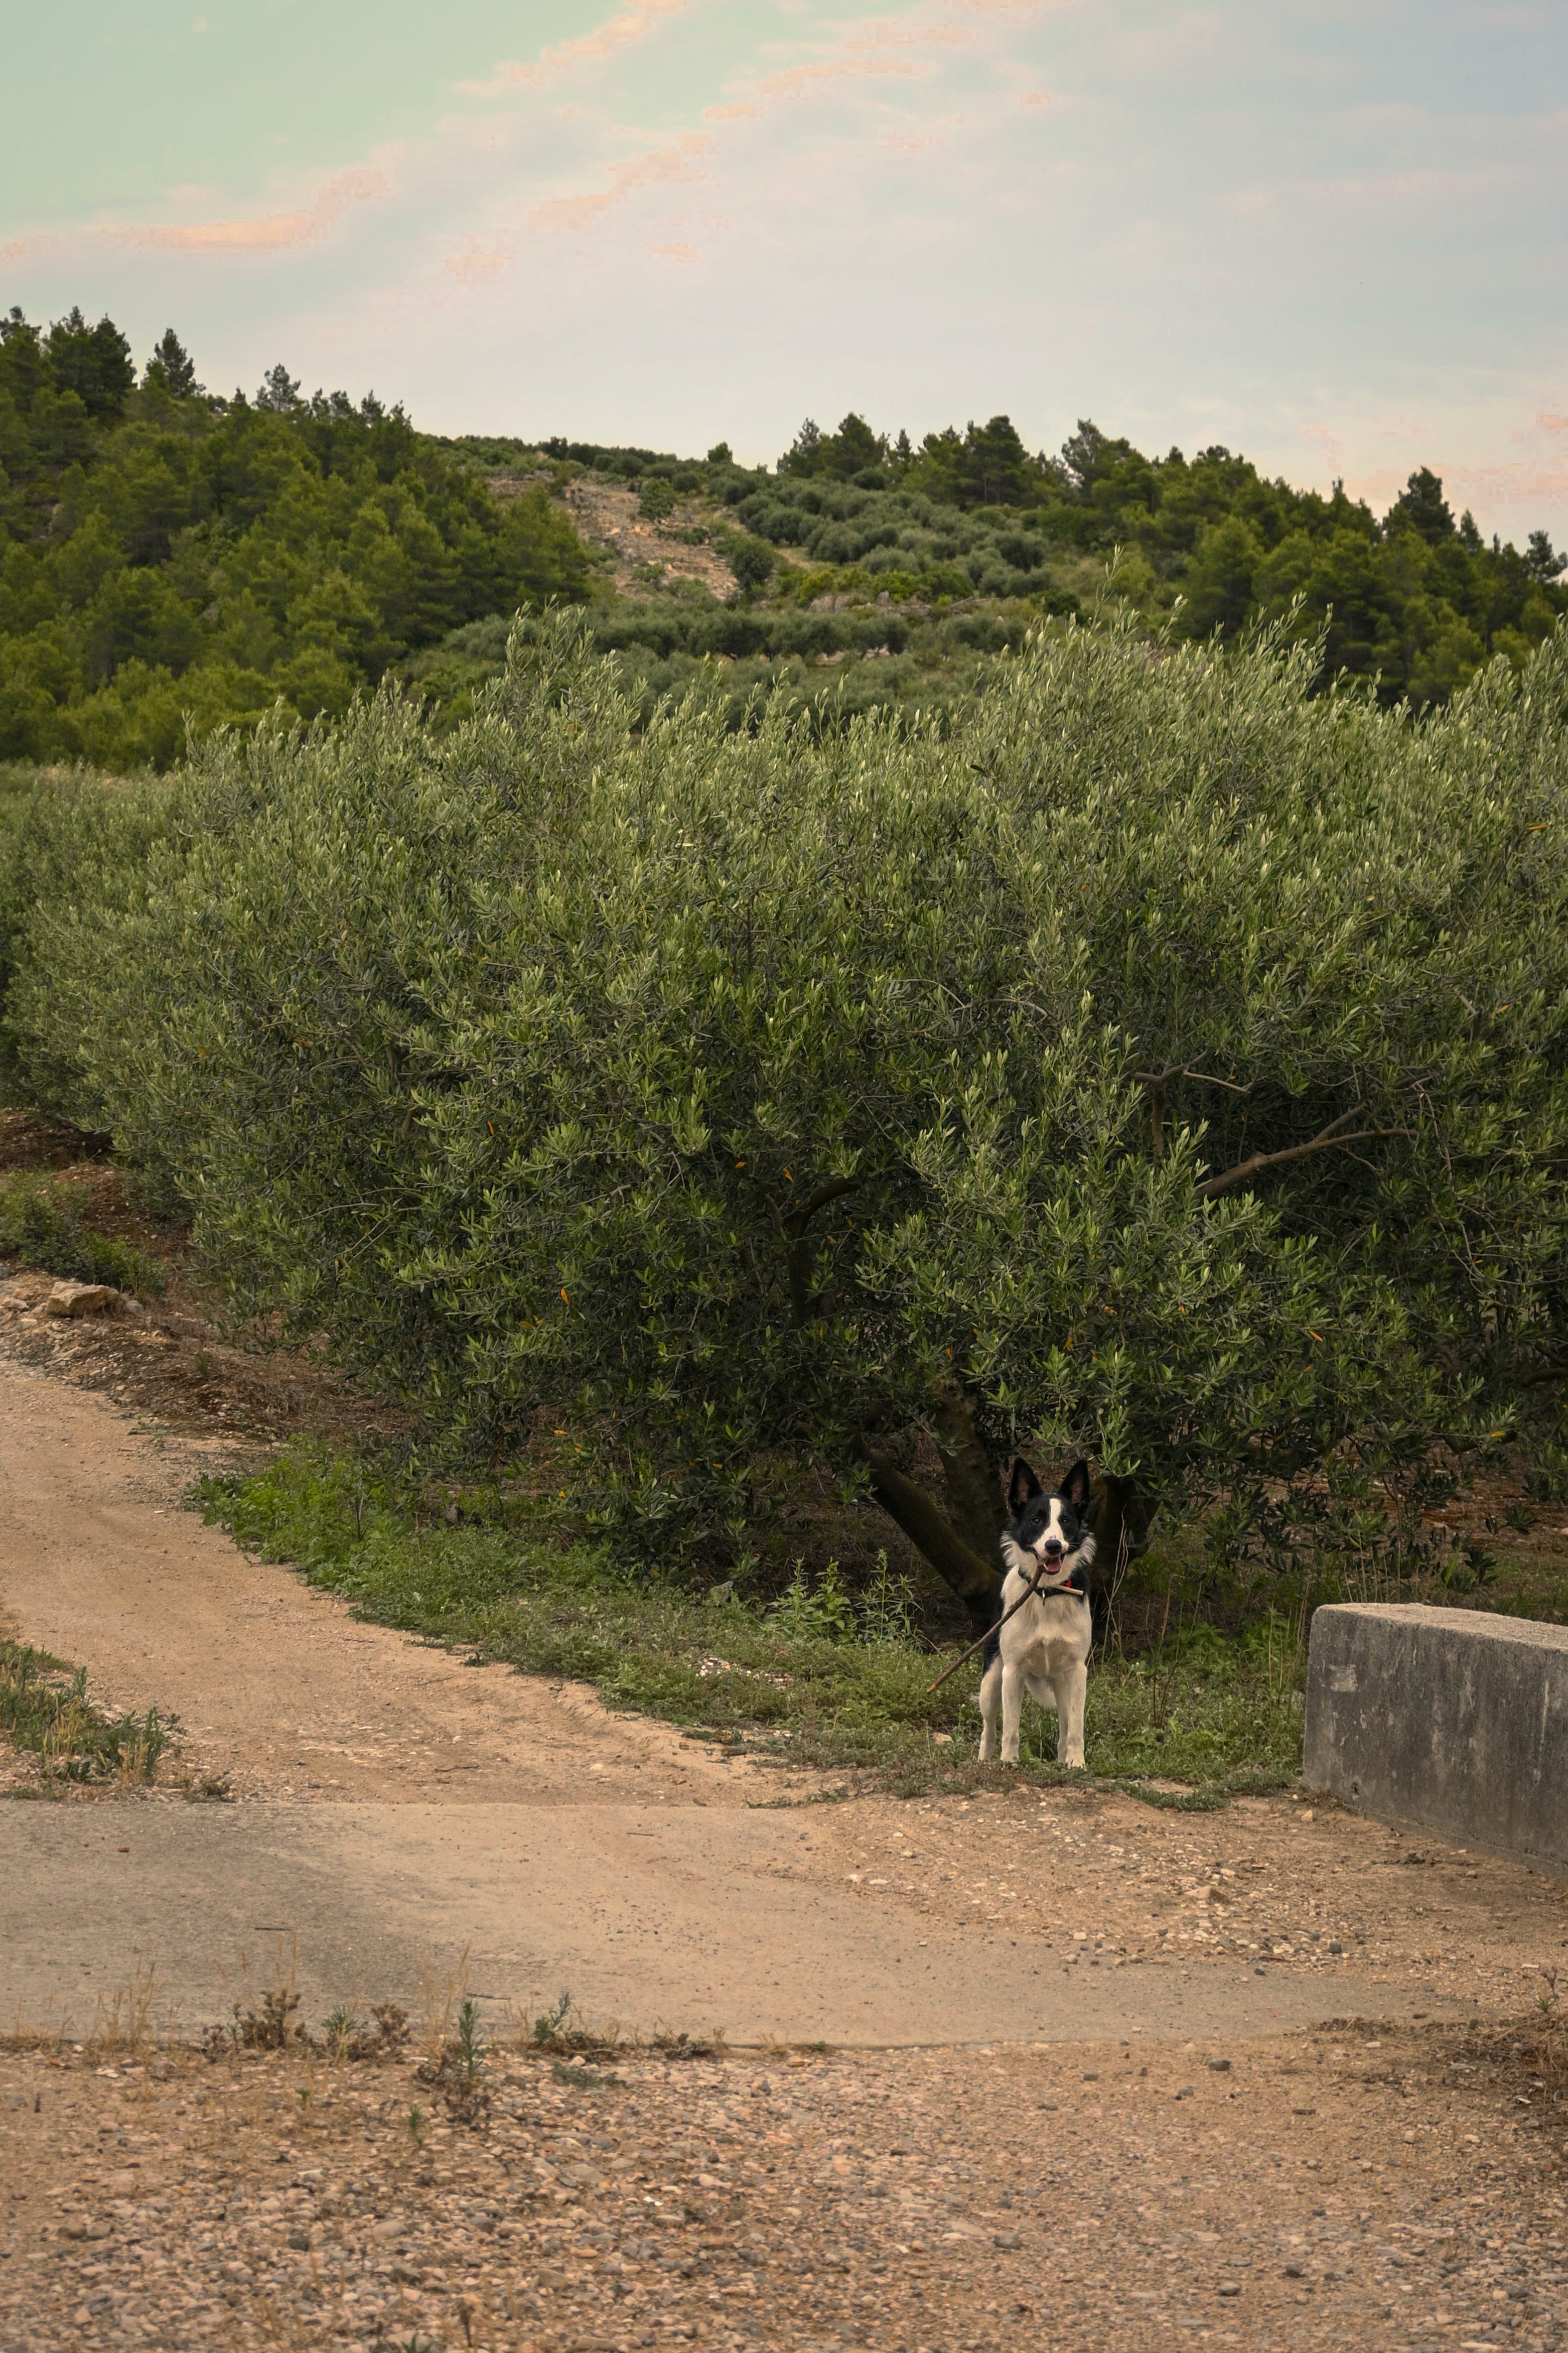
(1035, 1593)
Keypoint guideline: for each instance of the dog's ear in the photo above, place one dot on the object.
(1022, 1487)
(1074, 1488)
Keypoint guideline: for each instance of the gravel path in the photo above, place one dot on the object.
(1356, 2187)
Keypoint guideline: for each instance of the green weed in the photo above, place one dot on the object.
(585, 2079)
(44, 1707)
(470, 2051)
(41, 1224)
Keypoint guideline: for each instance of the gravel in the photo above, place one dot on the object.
(933, 2201)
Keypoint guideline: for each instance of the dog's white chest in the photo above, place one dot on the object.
(1054, 1634)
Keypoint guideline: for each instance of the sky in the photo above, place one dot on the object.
(1330, 234)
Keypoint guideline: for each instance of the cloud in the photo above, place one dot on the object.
(1332, 448)
(677, 252)
(602, 42)
(258, 233)
(659, 163)
(1512, 493)
(908, 37)
(859, 56)
(800, 82)
(479, 262)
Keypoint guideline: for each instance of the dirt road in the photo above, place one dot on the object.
(1058, 2151)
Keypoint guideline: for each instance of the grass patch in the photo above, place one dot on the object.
(41, 1224)
(44, 1707)
(817, 1677)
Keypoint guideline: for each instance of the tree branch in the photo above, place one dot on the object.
(1328, 1139)
(830, 1189)
(792, 1234)
(1155, 1082)
(974, 1485)
(1185, 1071)
(976, 1580)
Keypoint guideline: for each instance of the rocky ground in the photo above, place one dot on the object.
(1361, 2186)
(610, 515)
(1280, 1883)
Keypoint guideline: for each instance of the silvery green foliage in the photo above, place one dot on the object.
(739, 1095)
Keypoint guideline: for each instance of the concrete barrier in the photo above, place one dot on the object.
(1453, 1718)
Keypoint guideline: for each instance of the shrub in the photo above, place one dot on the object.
(76, 854)
(1168, 1062)
(751, 561)
(42, 1225)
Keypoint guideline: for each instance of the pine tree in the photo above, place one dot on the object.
(173, 369)
(280, 392)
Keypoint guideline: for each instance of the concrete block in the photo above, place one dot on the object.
(1453, 1718)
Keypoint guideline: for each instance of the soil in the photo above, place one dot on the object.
(279, 1690)
(610, 515)
(1361, 2186)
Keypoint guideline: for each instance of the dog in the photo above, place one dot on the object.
(1044, 1647)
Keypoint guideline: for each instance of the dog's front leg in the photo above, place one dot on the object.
(1071, 1687)
(990, 1699)
(1011, 1710)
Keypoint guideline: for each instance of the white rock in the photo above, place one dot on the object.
(88, 1299)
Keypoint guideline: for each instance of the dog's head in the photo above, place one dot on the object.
(1047, 1530)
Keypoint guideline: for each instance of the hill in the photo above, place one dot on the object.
(172, 558)
(166, 553)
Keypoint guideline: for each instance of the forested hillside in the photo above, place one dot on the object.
(165, 551)
(171, 557)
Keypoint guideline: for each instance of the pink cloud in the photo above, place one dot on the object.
(860, 58)
(1332, 448)
(259, 233)
(677, 252)
(480, 262)
(676, 162)
(602, 42)
(1037, 97)
(1525, 485)
(910, 36)
(798, 82)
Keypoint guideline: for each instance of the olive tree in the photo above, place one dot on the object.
(1166, 1062)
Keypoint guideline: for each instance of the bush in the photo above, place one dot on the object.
(1168, 1062)
(75, 852)
(41, 1224)
(751, 561)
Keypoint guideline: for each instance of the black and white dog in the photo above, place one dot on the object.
(1043, 1648)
